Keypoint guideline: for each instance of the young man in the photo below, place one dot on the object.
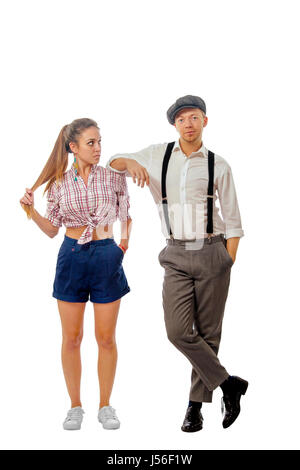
(185, 179)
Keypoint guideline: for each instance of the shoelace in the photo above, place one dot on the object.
(109, 413)
(225, 405)
(74, 414)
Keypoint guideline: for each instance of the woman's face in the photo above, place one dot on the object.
(88, 147)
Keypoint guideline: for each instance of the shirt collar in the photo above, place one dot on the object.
(93, 168)
(202, 150)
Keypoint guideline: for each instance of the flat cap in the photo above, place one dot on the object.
(188, 101)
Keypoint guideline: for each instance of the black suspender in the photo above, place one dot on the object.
(210, 192)
(163, 186)
(210, 189)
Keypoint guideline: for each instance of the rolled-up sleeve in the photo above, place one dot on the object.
(53, 209)
(123, 203)
(229, 204)
(143, 157)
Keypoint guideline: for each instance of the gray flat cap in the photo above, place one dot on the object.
(188, 101)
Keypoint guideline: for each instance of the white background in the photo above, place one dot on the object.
(123, 63)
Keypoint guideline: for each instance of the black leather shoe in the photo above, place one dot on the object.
(193, 420)
(230, 402)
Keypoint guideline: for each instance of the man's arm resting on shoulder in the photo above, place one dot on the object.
(137, 171)
(136, 164)
(119, 164)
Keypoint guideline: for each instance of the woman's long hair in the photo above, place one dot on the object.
(58, 161)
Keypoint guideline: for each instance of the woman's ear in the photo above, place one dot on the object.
(73, 147)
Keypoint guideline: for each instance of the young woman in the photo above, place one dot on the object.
(87, 199)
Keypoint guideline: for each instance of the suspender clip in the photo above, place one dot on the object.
(209, 236)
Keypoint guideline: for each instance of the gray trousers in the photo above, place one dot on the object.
(195, 288)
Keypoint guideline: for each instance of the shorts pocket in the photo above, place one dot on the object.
(117, 253)
(65, 253)
(63, 268)
(120, 250)
(62, 255)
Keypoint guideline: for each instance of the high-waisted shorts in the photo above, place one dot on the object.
(93, 269)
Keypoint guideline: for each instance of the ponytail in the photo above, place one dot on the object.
(58, 161)
(54, 169)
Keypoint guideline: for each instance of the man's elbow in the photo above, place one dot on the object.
(114, 163)
(118, 164)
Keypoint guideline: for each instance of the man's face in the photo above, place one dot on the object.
(189, 123)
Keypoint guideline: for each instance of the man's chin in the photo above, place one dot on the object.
(191, 138)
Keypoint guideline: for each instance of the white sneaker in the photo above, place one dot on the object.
(107, 416)
(74, 419)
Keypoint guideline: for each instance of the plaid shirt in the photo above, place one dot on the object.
(74, 204)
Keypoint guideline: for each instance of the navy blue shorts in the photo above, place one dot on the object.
(94, 268)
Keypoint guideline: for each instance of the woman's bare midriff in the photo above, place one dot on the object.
(76, 232)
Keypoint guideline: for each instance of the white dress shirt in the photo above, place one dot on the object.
(186, 186)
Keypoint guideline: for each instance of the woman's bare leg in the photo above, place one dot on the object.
(71, 315)
(105, 325)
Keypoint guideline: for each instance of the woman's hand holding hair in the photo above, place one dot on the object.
(28, 198)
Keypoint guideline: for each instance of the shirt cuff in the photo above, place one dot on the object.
(54, 221)
(124, 217)
(236, 232)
